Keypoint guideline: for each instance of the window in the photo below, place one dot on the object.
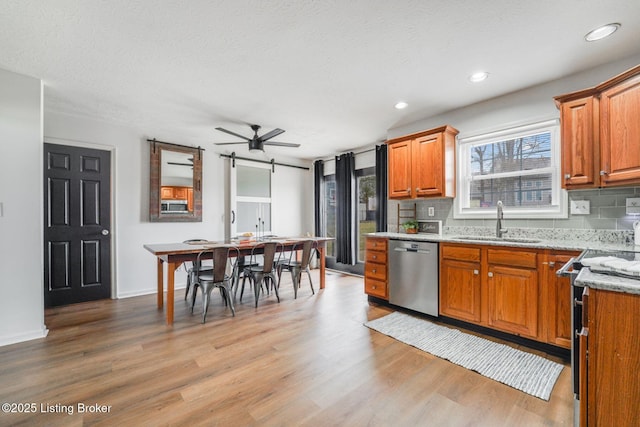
(366, 189)
(330, 212)
(520, 167)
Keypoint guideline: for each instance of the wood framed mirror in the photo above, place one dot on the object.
(175, 193)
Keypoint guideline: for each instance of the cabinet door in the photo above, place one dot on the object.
(620, 133)
(580, 156)
(513, 300)
(460, 290)
(427, 170)
(558, 308)
(180, 193)
(166, 193)
(400, 170)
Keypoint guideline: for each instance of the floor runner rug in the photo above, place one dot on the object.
(523, 371)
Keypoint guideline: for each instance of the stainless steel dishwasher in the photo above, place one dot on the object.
(413, 275)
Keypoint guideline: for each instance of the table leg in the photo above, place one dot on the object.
(322, 265)
(160, 276)
(171, 270)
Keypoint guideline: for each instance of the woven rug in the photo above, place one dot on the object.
(523, 371)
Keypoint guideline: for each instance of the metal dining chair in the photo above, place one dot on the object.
(260, 274)
(191, 270)
(297, 267)
(216, 278)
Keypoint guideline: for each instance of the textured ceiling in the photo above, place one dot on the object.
(328, 72)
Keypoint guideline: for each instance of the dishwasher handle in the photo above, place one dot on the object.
(419, 251)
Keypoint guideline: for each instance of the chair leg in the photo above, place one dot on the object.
(257, 284)
(310, 281)
(272, 278)
(244, 278)
(186, 292)
(205, 303)
(193, 296)
(295, 278)
(227, 292)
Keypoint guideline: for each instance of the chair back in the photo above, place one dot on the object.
(307, 246)
(268, 251)
(220, 257)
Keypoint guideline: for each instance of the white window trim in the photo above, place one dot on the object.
(559, 210)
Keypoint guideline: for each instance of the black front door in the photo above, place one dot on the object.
(77, 226)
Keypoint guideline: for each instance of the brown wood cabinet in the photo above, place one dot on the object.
(556, 299)
(460, 293)
(601, 133)
(609, 371)
(375, 267)
(422, 164)
(514, 290)
(175, 193)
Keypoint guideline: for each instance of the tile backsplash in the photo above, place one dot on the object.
(607, 212)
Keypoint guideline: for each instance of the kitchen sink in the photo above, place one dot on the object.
(498, 239)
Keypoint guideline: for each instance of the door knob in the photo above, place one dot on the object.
(105, 232)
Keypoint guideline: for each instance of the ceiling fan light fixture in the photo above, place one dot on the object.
(401, 105)
(256, 146)
(602, 32)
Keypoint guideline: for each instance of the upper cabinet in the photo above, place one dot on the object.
(422, 164)
(601, 133)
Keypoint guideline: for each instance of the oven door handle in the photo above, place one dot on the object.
(564, 271)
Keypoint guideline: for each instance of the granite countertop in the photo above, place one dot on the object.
(574, 240)
(607, 282)
(530, 241)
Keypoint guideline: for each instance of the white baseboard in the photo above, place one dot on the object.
(25, 336)
(149, 291)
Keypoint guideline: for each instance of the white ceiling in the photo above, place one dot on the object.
(328, 72)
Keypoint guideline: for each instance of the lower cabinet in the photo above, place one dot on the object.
(460, 283)
(514, 290)
(609, 380)
(375, 267)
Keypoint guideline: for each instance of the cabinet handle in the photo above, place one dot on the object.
(375, 257)
(567, 176)
(476, 272)
(603, 173)
(408, 190)
(552, 264)
(490, 274)
(577, 302)
(417, 189)
(373, 287)
(373, 271)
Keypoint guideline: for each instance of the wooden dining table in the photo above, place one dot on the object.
(174, 254)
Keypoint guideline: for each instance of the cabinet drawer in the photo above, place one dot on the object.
(375, 271)
(461, 253)
(512, 258)
(376, 257)
(376, 244)
(375, 287)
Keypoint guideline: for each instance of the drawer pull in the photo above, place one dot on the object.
(375, 257)
(476, 272)
(490, 274)
(373, 271)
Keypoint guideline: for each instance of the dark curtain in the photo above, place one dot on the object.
(381, 187)
(345, 209)
(318, 178)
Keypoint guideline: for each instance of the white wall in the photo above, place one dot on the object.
(21, 283)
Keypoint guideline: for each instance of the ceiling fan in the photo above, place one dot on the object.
(257, 143)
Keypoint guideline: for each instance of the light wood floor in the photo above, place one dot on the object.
(308, 362)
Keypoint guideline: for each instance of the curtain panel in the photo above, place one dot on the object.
(346, 199)
(381, 187)
(318, 191)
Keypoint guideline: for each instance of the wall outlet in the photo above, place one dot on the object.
(431, 211)
(633, 205)
(580, 207)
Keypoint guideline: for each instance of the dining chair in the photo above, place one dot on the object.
(215, 278)
(190, 267)
(297, 267)
(260, 274)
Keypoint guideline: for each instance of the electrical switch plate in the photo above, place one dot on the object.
(633, 205)
(580, 207)
(432, 211)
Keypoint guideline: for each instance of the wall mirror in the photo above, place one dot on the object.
(175, 193)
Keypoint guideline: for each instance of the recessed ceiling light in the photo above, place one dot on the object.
(401, 105)
(602, 32)
(478, 77)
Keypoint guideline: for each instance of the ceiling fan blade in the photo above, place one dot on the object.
(282, 144)
(273, 133)
(228, 143)
(182, 164)
(233, 133)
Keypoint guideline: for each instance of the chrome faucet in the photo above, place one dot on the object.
(499, 230)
